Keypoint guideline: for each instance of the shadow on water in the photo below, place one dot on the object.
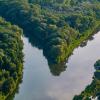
(55, 69)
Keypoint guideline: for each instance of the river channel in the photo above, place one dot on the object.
(40, 84)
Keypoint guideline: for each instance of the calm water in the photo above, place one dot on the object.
(39, 84)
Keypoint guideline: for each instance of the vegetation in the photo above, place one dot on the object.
(11, 58)
(59, 25)
(92, 90)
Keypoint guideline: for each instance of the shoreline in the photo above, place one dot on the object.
(77, 43)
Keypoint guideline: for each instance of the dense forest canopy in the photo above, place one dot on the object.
(11, 57)
(58, 25)
(56, 28)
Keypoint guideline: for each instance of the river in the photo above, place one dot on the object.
(39, 84)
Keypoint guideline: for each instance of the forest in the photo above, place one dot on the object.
(58, 30)
(11, 58)
(58, 25)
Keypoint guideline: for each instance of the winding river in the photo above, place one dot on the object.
(39, 84)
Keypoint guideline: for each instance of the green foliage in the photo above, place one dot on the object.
(58, 25)
(57, 31)
(11, 58)
(8, 86)
(80, 22)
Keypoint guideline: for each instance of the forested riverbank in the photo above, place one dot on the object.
(57, 26)
(11, 58)
(58, 33)
(92, 91)
(43, 81)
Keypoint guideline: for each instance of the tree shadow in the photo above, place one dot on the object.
(55, 69)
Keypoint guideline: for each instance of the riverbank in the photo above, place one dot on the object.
(87, 34)
(11, 58)
(92, 91)
(57, 32)
(42, 81)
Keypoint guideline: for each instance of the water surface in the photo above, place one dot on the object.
(39, 84)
